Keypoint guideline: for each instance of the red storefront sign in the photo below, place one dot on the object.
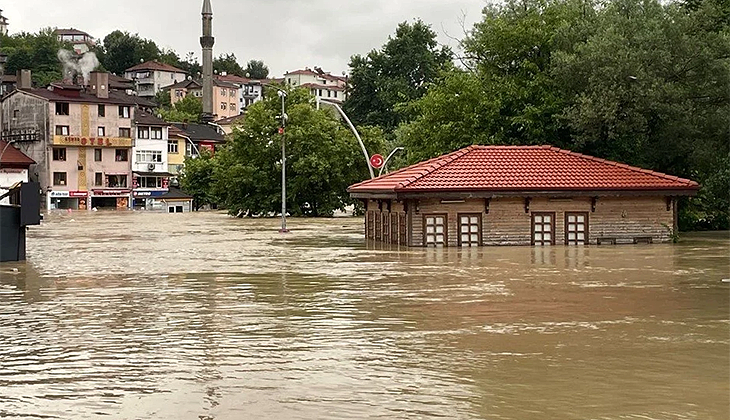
(78, 193)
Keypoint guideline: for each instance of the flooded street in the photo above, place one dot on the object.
(202, 316)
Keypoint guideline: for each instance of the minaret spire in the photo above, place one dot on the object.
(207, 41)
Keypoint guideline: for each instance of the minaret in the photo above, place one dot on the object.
(207, 41)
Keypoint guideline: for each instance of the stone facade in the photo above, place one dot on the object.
(510, 220)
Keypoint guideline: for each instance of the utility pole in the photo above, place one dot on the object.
(282, 131)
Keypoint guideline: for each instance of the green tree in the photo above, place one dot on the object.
(36, 52)
(323, 159)
(122, 50)
(400, 72)
(229, 64)
(197, 178)
(189, 109)
(256, 69)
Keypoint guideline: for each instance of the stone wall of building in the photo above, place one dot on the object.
(508, 221)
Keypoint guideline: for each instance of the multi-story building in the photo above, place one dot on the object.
(180, 90)
(251, 90)
(321, 84)
(226, 95)
(80, 40)
(149, 167)
(3, 24)
(150, 77)
(80, 138)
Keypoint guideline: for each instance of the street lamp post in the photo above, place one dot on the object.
(282, 131)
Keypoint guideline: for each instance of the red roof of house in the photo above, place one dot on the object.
(13, 158)
(155, 65)
(520, 168)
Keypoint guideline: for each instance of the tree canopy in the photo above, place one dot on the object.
(400, 72)
(635, 81)
(323, 159)
(256, 69)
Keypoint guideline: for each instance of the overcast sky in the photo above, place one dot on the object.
(286, 34)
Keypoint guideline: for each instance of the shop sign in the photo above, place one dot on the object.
(78, 193)
(92, 141)
(110, 192)
(59, 194)
(149, 193)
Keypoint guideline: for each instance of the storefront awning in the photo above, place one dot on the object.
(153, 173)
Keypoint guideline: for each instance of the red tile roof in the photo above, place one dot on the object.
(155, 65)
(520, 168)
(13, 158)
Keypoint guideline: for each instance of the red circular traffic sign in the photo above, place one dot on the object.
(376, 161)
(281, 130)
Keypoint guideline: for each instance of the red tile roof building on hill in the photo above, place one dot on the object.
(150, 77)
(539, 195)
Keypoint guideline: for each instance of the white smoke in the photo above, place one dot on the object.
(74, 64)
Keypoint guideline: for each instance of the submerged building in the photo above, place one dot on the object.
(521, 195)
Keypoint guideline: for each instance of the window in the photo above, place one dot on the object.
(102, 111)
(121, 155)
(223, 92)
(59, 178)
(98, 179)
(171, 209)
(62, 130)
(101, 132)
(233, 92)
(385, 236)
(116, 181)
(156, 133)
(320, 92)
(59, 153)
(470, 226)
(576, 228)
(16, 113)
(543, 232)
(178, 209)
(97, 155)
(434, 230)
(61, 108)
(232, 106)
(143, 133)
(223, 105)
(329, 93)
(150, 182)
(172, 146)
(335, 92)
(148, 156)
(178, 93)
(123, 111)
(125, 132)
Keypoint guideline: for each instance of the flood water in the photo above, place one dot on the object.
(201, 316)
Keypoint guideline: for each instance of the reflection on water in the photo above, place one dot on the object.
(201, 316)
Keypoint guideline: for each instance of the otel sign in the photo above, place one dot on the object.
(376, 161)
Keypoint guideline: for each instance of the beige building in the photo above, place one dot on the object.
(226, 96)
(82, 140)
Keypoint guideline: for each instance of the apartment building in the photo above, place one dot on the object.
(226, 96)
(321, 84)
(80, 40)
(150, 77)
(151, 177)
(80, 138)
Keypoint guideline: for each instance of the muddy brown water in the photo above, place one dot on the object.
(201, 316)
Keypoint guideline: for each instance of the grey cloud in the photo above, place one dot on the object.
(286, 34)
